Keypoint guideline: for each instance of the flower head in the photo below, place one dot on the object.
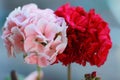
(88, 36)
(39, 34)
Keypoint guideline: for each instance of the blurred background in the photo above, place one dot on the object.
(108, 9)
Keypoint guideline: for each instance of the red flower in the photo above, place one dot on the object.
(93, 74)
(88, 36)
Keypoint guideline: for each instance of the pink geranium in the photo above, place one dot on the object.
(44, 40)
(37, 33)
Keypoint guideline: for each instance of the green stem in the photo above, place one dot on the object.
(69, 71)
(39, 75)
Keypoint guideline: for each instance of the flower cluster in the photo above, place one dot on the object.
(37, 33)
(82, 37)
(88, 36)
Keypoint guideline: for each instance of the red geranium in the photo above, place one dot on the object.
(88, 36)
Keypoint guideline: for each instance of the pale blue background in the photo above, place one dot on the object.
(109, 71)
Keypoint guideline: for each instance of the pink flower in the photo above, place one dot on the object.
(44, 41)
(37, 33)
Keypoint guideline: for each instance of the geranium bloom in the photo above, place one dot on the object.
(88, 36)
(39, 34)
(44, 41)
